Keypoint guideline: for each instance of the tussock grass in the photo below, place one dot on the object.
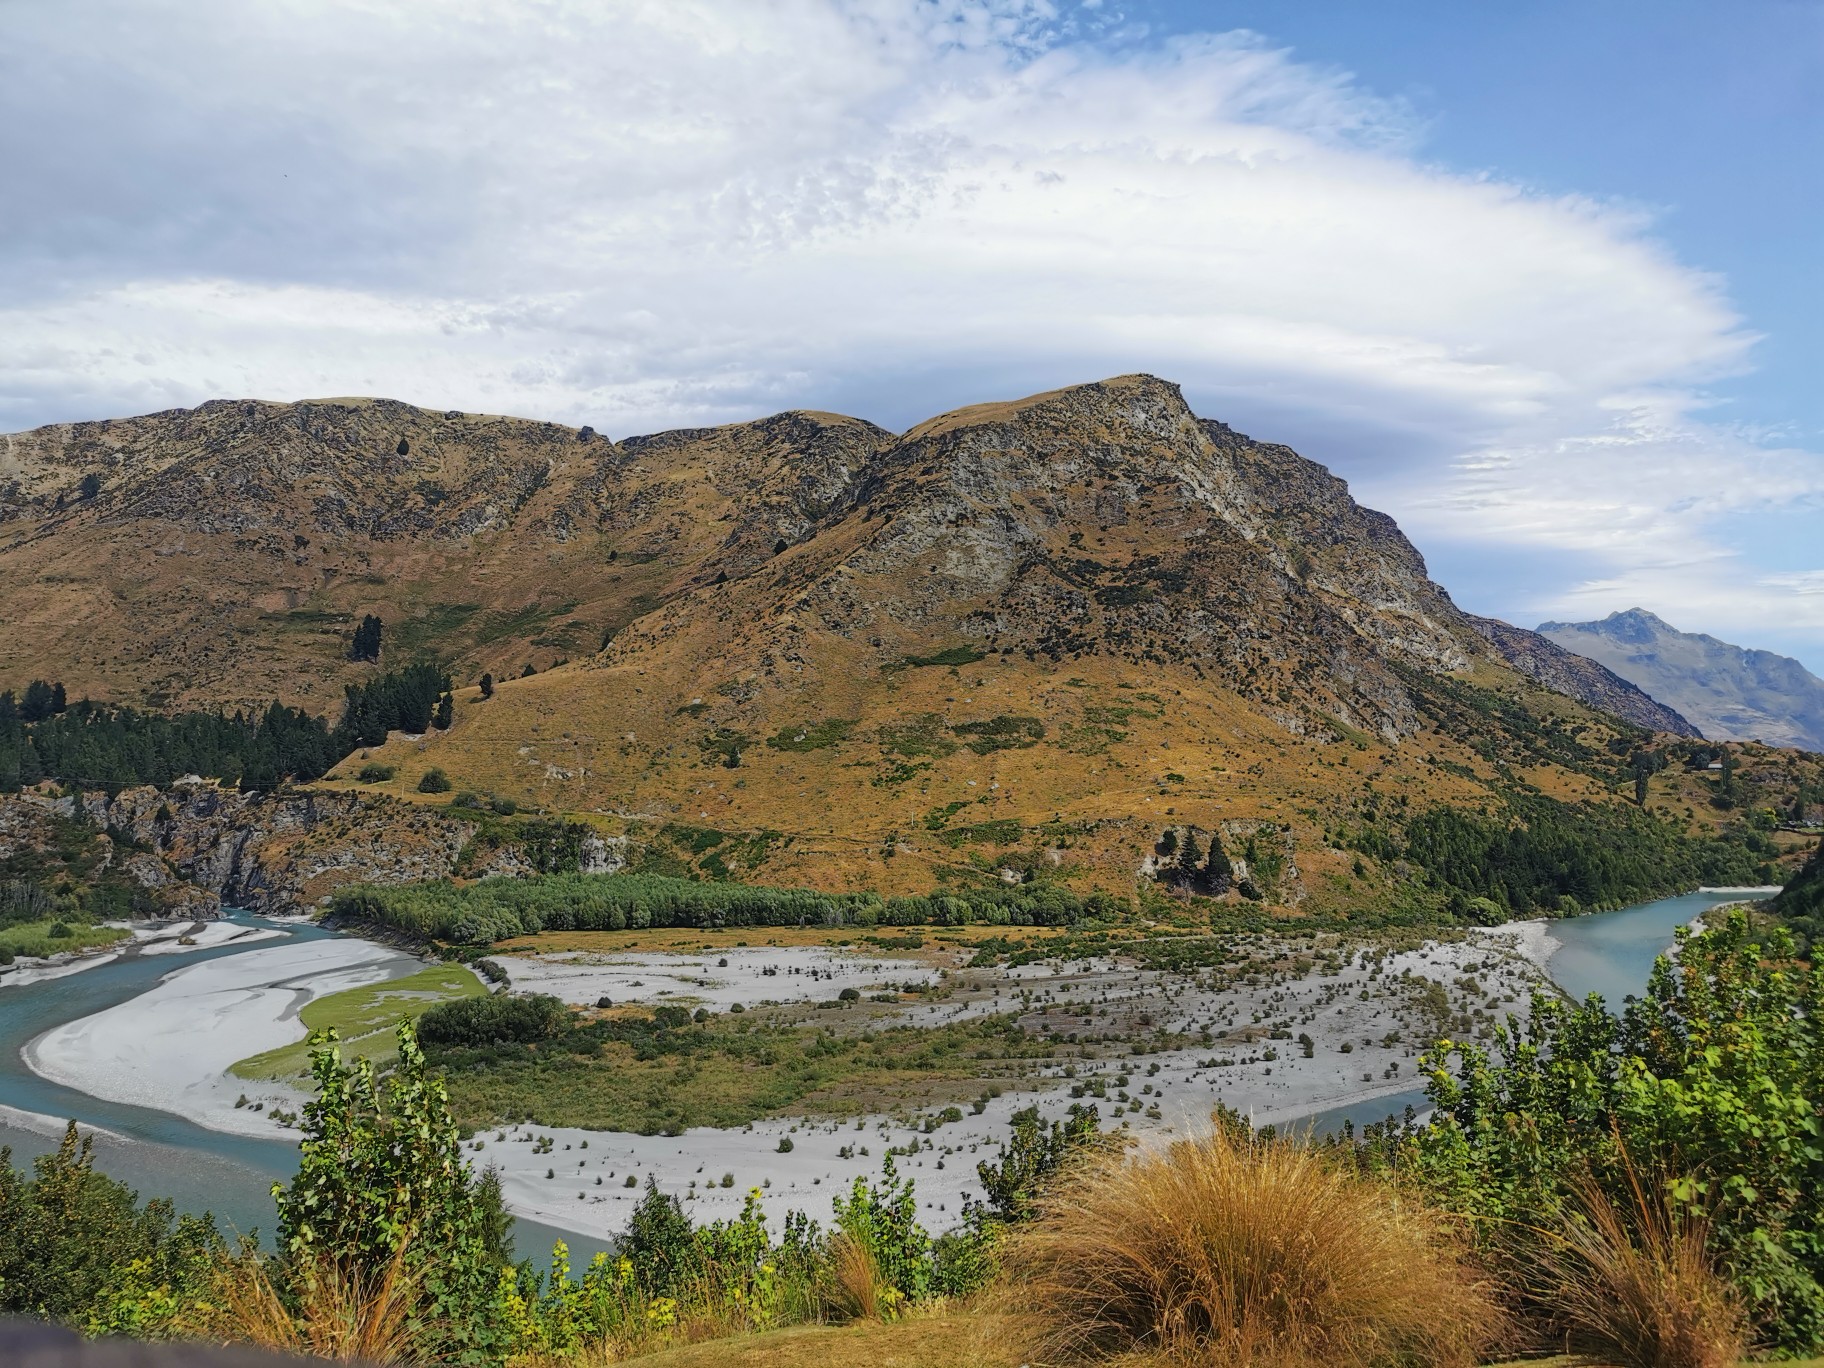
(327, 1311)
(1238, 1251)
(1636, 1286)
(851, 1289)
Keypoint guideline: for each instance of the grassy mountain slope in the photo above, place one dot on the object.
(223, 554)
(1022, 640)
(1040, 634)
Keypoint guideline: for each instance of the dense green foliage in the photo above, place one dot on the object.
(497, 909)
(1709, 1084)
(405, 700)
(100, 746)
(76, 1246)
(1545, 856)
(1801, 905)
(103, 747)
(499, 1019)
(380, 1169)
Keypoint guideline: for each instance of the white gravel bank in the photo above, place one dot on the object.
(171, 1048)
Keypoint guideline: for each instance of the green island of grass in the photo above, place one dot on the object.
(364, 1017)
(34, 937)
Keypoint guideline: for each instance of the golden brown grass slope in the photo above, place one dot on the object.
(226, 551)
(1040, 634)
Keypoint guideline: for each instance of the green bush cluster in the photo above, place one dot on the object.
(498, 1019)
(1546, 856)
(1709, 1084)
(78, 1247)
(497, 909)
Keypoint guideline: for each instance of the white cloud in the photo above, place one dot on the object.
(656, 212)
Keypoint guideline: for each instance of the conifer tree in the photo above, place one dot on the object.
(366, 644)
(1190, 860)
(487, 686)
(1218, 872)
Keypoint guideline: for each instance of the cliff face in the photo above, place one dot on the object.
(282, 853)
(1732, 693)
(1542, 659)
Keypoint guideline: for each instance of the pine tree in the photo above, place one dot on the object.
(487, 686)
(366, 644)
(38, 702)
(445, 714)
(1218, 873)
(1190, 860)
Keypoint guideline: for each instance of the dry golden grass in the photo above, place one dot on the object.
(852, 1290)
(1242, 1252)
(338, 1315)
(1637, 1287)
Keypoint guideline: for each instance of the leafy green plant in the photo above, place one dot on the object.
(381, 1180)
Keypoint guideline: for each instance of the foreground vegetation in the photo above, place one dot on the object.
(1647, 1188)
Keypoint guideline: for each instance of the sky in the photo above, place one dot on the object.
(1539, 280)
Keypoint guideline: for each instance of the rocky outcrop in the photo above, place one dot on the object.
(282, 853)
(1546, 662)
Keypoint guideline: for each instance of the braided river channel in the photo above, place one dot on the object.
(163, 1154)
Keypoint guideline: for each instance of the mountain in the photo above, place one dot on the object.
(1019, 642)
(1544, 660)
(224, 553)
(1731, 693)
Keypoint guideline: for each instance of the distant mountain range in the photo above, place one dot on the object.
(1731, 694)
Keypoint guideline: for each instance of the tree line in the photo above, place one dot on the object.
(500, 908)
(1544, 856)
(111, 747)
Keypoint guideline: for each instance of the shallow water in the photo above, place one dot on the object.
(160, 1154)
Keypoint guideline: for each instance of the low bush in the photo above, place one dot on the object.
(434, 781)
(499, 1019)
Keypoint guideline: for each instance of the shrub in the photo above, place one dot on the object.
(434, 781)
(1243, 1251)
(76, 1247)
(384, 1204)
(376, 773)
(1718, 1062)
(660, 1242)
(498, 1019)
